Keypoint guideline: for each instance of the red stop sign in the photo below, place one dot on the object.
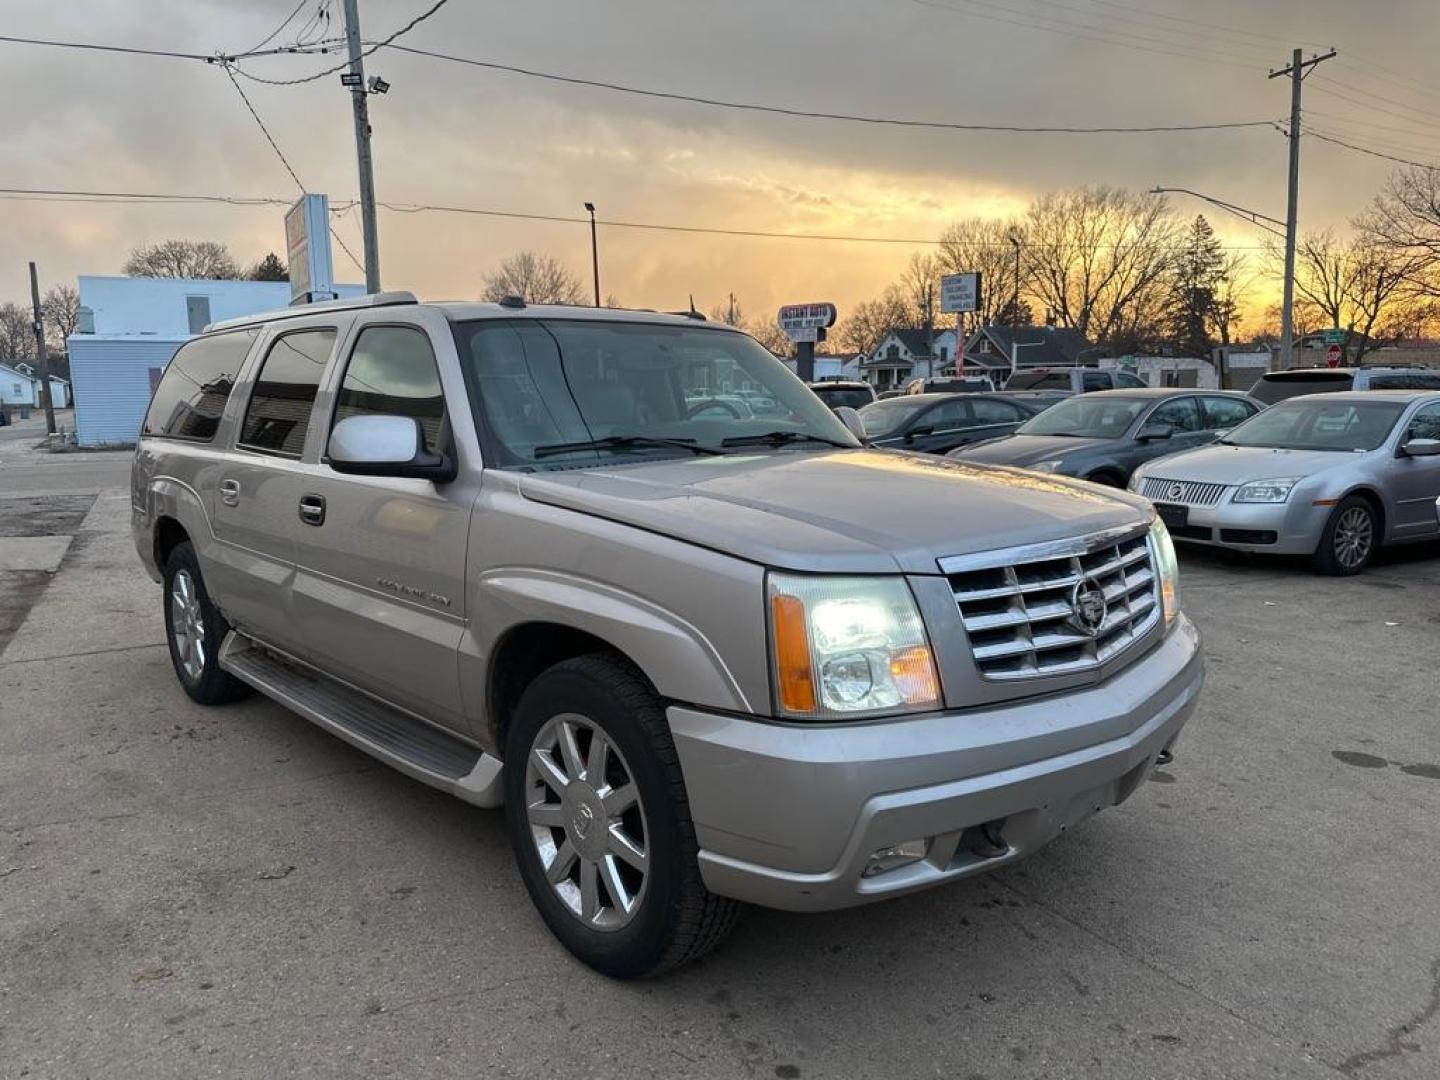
(1332, 356)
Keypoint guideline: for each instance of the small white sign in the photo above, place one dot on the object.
(803, 333)
(960, 292)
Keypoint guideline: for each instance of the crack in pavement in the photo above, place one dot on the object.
(91, 652)
(1394, 1044)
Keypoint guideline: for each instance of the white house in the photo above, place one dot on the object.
(129, 329)
(903, 355)
(20, 385)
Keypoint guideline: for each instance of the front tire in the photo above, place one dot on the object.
(596, 811)
(194, 630)
(1351, 536)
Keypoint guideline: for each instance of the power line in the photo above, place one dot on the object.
(1365, 150)
(781, 110)
(343, 206)
(264, 130)
(108, 48)
(416, 21)
(276, 32)
(1429, 117)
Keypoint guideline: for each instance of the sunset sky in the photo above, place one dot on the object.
(458, 135)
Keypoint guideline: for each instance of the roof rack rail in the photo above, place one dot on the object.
(371, 300)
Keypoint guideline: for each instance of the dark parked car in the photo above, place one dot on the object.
(1103, 436)
(936, 423)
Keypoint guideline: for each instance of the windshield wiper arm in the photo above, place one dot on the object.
(622, 442)
(780, 438)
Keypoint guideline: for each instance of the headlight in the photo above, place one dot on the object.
(1136, 479)
(843, 647)
(1169, 569)
(1044, 466)
(1265, 491)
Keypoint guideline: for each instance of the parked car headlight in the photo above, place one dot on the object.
(1168, 567)
(848, 646)
(1265, 491)
(1052, 465)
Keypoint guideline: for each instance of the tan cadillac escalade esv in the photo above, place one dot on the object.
(723, 656)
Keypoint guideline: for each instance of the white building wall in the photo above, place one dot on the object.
(111, 382)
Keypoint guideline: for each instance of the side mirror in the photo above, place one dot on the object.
(1421, 448)
(386, 446)
(853, 424)
(1155, 432)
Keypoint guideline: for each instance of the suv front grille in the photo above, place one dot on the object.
(1019, 607)
(1184, 492)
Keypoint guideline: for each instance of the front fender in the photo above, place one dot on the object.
(677, 657)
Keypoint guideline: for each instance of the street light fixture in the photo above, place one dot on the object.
(594, 253)
(1015, 297)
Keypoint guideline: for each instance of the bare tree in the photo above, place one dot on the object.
(1406, 218)
(769, 334)
(61, 309)
(1357, 284)
(182, 259)
(984, 245)
(538, 279)
(1098, 258)
(870, 320)
(17, 333)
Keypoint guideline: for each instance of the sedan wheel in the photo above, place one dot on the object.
(1350, 539)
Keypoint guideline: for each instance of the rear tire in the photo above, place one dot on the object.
(194, 630)
(1351, 537)
(604, 838)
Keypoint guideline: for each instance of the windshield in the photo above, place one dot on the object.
(836, 396)
(546, 384)
(882, 417)
(1319, 425)
(1086, 417)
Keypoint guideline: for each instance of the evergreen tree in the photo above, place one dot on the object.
(270, 268)
(1198, 275)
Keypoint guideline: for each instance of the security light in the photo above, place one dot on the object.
(378, 85)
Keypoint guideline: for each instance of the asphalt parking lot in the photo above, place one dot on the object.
(190, 892)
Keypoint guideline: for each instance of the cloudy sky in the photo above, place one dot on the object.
(464, 136)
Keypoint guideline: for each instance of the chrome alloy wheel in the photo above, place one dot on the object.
(187, 625)
(1354, 535)
(587, 821)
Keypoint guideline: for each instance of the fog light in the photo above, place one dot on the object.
(894, 857)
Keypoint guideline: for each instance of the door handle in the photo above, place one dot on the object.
(230, 492)
(312, 509)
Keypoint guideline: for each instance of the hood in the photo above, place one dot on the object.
(854, 511)
(1023, 450)
(1231, 465)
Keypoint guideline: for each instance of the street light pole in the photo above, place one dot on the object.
(594, 253)
(1015, 297)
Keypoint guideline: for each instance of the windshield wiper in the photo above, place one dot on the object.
(622, 442)
(780, 438)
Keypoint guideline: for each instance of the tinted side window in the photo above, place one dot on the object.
(392, 372)
(1225, 412)
(1096, 380)
(1417, 380)
(994, 412)
(192, 392)
(1130, 382)
(1182, 414)
(279, 412)
(1425, 424)
(1054, 380)
(946, 417)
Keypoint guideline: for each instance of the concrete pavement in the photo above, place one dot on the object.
(228, 892)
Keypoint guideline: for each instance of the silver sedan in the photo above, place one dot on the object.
(1331, 476)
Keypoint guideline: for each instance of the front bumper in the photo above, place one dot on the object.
(788, 815)
(1295, 525)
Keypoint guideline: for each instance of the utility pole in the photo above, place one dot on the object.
(1297, 70)
(594, 253)
(359, 100)
(41, 354)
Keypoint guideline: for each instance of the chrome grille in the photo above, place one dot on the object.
(1018, 606)
(1184, 492)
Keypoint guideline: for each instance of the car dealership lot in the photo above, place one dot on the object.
(192, 892)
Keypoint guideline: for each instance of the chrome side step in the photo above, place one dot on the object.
(400, 740)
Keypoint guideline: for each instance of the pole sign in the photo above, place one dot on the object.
(307, 248)
(803, 322)
(1332, 356)
(960, 292)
